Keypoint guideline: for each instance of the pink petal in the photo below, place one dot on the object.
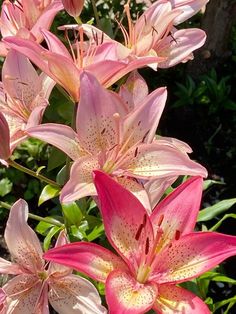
(172, 300)
(188, 7)
(142, 122)
(192, 255)
(158, 160)
(54, 44)
(20, 79)
(125, 295)
(179, 46)
(96, 126)
(4, 138)
(7, 267)
(36, 115)
(134, 91)
(80, 183)
(21, 240)
(89, 258)
(184, 147)
(179, 210)
(23, 292)
(46, 18)
(61, 136)
(73, 294)
(30, 49)
(156, 188)
(126, 222)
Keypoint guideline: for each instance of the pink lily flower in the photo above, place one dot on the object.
(23, 95)
(73, 7)
(24, 18)
(37, 282)
(64, 68)
(112, 139)
(153, 253)
(154, 34)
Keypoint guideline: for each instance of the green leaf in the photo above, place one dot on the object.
(72, 213)
(43, 227)
(209, 183)
(48, 193)
(56, 159)
(5, 186)
(48, 238)
(218, 224)
(224, 302)
(213, 211)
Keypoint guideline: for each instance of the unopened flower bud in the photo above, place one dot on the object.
(73, 7)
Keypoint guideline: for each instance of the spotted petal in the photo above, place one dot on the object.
(74, 294)
(192, 255)
(126, 222)
(173, 300)
(125, 295)
(21, 240)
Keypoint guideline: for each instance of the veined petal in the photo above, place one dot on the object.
(179, 209)
(141, 123)
(74, 294)
(184, 147)
(134, 91)
(54, 44)
(158, 160)
(96, 127)
(61, 136)
(64, 72)
(89, 258)
(36, 115)
(46, 18)
(174, 300)
(22, 293)
(188, 7)
(125, 295)
(20, 79)
(21, 240)
(156, 188)
(5, 138)
(30, 49)
(7, 267)
(80, 183)
(192, 255)
(179, 46)
(127, 224)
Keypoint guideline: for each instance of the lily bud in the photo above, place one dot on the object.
(73, 7)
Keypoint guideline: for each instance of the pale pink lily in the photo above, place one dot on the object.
(38, 282)
(98, 58)
(154, 34)
(23, 95)
(24, 18)
(73, 7)
(117, 141)
(155, 253)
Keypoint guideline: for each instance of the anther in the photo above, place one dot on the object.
(160, 220)
(140, 228)
(177, 235)
(147, 246)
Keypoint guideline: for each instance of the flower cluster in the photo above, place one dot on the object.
(113, 155)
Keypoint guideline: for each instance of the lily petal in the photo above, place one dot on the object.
(74, 294)
(126, 222)
(158, 160)
(181, 208)
(89, 258)
(22, 293)
(21, 240)
(7, 267)
(173, 300)
(5, 138)
(192, 255)
(61, 136)
(96, 126)
(125, 295)
(80, 183)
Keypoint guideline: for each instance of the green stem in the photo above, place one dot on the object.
(32, 173)
(95, 11)
(49, 220)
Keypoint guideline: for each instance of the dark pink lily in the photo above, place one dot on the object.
(111, 137)
(153, 254)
